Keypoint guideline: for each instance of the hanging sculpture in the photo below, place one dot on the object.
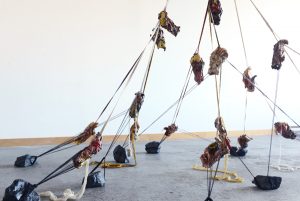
(134, 130)
(167, 23)
(136, 104)
(213, 153)
(242, 150)
(217, 57)
(160, 40)
(222, 133)
(285, 130)
(249, 81)
(28, 160)
(197, 64)
(94, 147)
(216, 11)
(243, 141)
(216, 150)
(170, 130)
(87, 133)
(278, 54)
(219, 125)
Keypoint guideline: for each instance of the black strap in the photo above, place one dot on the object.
(34, 159)
(63, 168)
(246, 166)
(213, 180)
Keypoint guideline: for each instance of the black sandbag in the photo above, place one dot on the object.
(95, 179)
(234, 151)
(25, 161)
(120, 155)
(267, 182)
(152, 147)
(21, 190)
(242, 152)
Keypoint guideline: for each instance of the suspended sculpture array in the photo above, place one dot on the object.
(21, 190)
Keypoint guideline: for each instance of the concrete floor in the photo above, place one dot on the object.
(167, 176)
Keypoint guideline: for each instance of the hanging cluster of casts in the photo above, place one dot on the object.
(21, 190)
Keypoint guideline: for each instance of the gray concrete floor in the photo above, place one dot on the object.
(167, 176)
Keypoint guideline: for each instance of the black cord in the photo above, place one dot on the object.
(213, 179)
(214, 28)
(58, 170)
(246, 166)
(203, 25)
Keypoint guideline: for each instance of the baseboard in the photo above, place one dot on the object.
(109, 138)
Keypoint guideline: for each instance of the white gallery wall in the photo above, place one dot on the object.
(61, 61)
